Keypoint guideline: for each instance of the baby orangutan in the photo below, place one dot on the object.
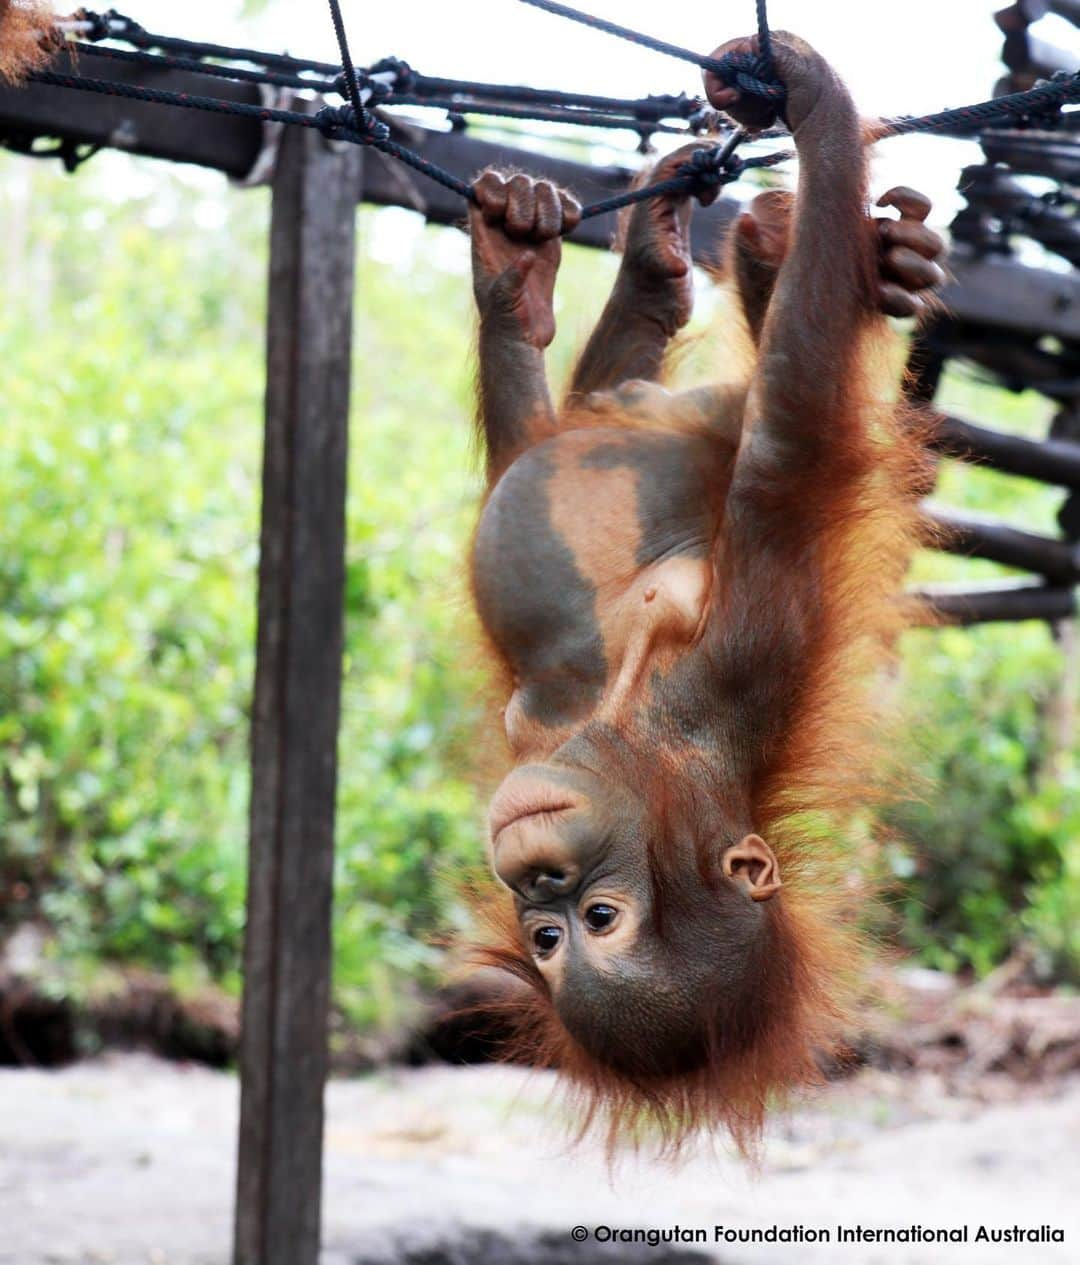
(688, 594)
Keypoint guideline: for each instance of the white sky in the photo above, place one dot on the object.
(939, 53)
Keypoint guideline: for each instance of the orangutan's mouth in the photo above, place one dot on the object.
(522, 797)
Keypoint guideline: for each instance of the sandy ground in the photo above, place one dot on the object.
(130, 1161)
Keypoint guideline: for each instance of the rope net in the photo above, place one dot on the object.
(392, 82)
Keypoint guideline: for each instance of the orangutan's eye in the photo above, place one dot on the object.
(600, 917)
(546, 940)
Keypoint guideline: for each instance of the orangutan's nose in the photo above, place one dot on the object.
(546, 884)
(533, 864)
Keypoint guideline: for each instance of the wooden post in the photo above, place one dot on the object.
(283, 1060)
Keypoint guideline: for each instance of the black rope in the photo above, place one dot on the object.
(750, 73)
(705, 169)
(453, 101)
(426, 168)
(410, 86)
(539, 114)
(113, 25)
(185, 100)
(1034, 103)
(764, 36)
(302, 72)
(708, 167)
(241, 74)
(329, 121)
(363, 120)
(646, 109)
(635, 37)
(337, 123)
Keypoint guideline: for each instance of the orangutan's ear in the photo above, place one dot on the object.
(752, 865)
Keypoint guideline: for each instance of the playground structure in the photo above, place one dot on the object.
(1018, 322)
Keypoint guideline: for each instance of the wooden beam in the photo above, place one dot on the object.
(1017, 362)
(999, 603)
(1036, 153)
(994, 190)
(973, 536)
(1001, 292)
(1054, 461)
(297, 698)
(222, 142)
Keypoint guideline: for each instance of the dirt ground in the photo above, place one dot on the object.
(128, 1160)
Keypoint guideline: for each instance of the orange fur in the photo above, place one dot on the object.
(27, 37)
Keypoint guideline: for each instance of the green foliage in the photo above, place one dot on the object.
(132, 341)
(984, 850)
(126, 550)
(127, 570)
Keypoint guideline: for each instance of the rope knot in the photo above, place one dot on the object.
(705, 119)
(115, 24)
(339, 122)
(99, 25)
(404, 75)
(376, 89)
(751, 73)
(711, 167)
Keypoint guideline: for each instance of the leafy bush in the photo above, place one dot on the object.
(126, 554)
(983, 849)
(127, 570)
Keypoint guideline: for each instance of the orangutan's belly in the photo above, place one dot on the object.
(574, 529)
